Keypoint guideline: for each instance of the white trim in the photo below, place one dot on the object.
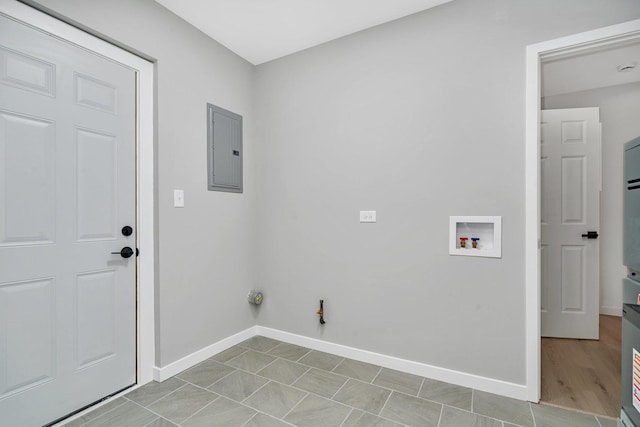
(146, 224)
(531, 269)
(503, 388)
(611, 311)
(534, 55)
(145, 178)
(166, 372)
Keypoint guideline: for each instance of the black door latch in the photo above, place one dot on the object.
(591, 235)
(125, 252)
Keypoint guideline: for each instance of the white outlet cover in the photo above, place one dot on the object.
(367, 216)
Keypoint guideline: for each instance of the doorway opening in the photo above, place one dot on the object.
(584, 44)
(592, 99)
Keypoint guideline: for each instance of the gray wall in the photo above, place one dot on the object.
(418, 119)
(619, 112)
(205, 251)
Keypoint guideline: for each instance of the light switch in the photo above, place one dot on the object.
(367, 216)
(178, 198)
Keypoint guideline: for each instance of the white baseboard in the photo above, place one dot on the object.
(166, 372)
(503, 388)
(611, 311)
(490, 385)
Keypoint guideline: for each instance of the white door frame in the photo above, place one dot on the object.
(536, 54)
(144, 165)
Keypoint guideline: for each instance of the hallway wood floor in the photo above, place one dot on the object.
(584, 374)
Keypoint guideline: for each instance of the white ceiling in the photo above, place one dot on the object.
(591, 70)
(262, 30)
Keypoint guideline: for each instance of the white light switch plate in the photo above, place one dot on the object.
(367, 216)
(178, 198)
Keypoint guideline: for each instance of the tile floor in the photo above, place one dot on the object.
(267, 383)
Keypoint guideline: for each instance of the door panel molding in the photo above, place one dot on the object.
(16, 302)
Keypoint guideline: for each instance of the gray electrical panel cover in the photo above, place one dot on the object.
(224, 150)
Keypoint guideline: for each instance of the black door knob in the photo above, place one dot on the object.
(125, 252)
(591, 235)
(127, 230)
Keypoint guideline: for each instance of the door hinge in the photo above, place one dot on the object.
(137, 252)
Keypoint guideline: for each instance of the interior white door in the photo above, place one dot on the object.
(67, 188)
(570, 171)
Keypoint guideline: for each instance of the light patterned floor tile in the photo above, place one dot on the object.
(316, 411)
(260, 343)
(183, 403)
(355, 394)
(283, 371)
(446, 393)
(321, 360)
(205, 373)
(289, 351)
(221, 413)
(275, 399)
(152, 391)
(452, 417)
(550, 416)
(358, 418)
(320, 382)
(359, 370)
(96, 412)
(239, 385)
(502, 408)
(228, 354)
(411, 410)
(262, 420)
(399, 381)
(251, 361)
(367, 397)
(162, 422)
(607, 422)
(127, 415)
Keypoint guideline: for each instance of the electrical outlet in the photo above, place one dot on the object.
(367, 216)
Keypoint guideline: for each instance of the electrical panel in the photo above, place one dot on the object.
(224, 150)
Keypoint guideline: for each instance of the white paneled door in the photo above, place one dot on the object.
(67, 189)
(570, 171)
